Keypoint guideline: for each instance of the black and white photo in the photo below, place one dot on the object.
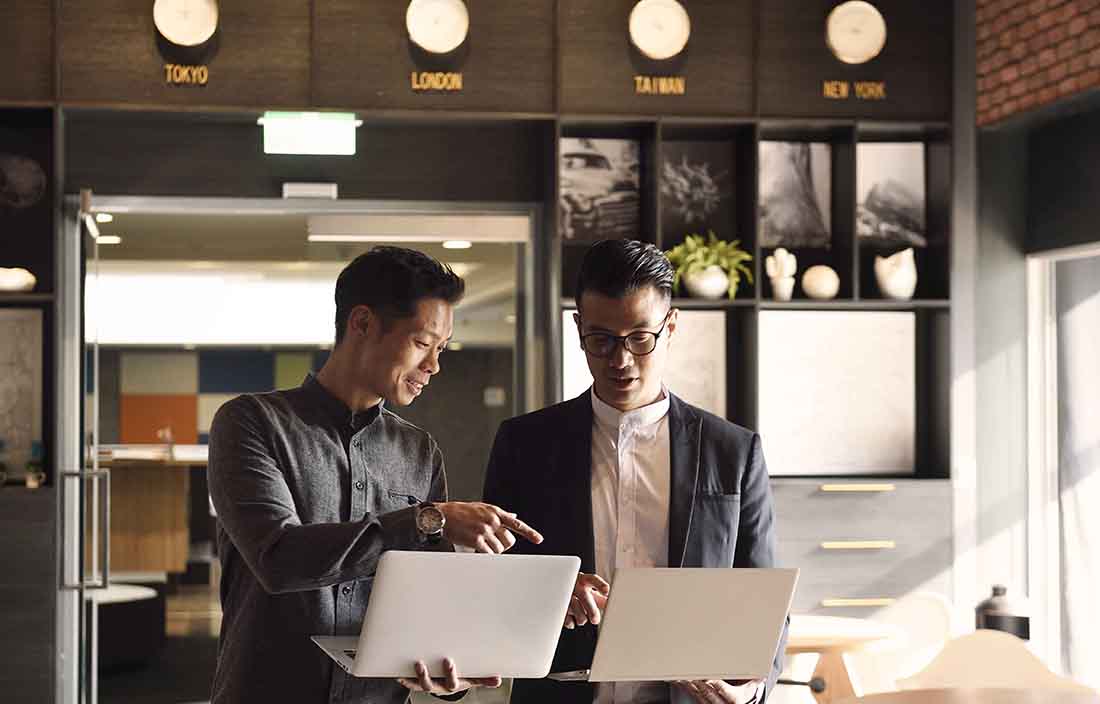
(890, 194)
(696, 182)
(599, 189)
(795, 194)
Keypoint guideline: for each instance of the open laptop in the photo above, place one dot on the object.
(665, 624)
(491, 614)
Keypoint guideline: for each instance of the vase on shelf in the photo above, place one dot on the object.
(897, 275)
(711, 282)
(781, 267)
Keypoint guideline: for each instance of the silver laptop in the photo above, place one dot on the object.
(665, 624)
(491, 614)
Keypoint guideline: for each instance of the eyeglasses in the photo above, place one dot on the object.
(637, 343)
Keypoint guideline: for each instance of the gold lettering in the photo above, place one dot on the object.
(167, 73)
(638, 84)
(871, 90)
(202, 74)
(835, 90)
(437, 80)
(660, 85)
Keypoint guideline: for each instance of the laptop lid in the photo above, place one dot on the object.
(665, 624)
(491, 614)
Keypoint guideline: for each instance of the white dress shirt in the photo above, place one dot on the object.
(631, 468)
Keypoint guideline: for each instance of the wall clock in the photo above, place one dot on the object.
(187, 23)
(437, 26)
(855, 31)
(659, 28)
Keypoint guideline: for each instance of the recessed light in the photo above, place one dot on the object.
(104, 217)
(457, 244)
(510, 319)
(108, 239)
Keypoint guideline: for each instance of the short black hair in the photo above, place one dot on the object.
(616, 268)
(392, 281)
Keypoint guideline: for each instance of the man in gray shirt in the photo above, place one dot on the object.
(311, 485)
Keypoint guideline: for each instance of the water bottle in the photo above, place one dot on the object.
(1000, 613)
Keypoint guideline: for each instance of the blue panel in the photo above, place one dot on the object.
(204, 438)
(236, 371)
(89, 378)
(319, 359)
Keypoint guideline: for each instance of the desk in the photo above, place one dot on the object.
(831, 637)
(979, 696)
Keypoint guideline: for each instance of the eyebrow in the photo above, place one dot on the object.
(643, 326)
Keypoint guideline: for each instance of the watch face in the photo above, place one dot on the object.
(437, 26)
(186, 22)
(659, 28)
(855, 31)
(429, 520)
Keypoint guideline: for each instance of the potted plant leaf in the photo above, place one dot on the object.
(709, 268)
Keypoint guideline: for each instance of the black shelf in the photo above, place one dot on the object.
(21, 298)
(861, 304)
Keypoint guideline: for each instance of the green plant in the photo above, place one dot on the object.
(696, 254)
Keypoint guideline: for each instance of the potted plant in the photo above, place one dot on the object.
(709, 268)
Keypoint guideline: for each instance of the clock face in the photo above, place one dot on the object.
(186, 22)
(659, 28)
(437, 26)
(855, 31)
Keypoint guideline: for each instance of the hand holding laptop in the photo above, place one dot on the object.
(721, 692)
(588, 601)
(450, 683)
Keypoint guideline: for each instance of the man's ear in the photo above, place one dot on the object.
(361, 321)
(577, 320)
(670, 326)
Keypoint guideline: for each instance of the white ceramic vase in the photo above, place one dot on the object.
(16, 280)
(897, 275)
(711, 282)
(780, 268)
(820, 282)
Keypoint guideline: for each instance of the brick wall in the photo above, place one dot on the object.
(1034, 52)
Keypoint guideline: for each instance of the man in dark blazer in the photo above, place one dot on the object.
(628, 474)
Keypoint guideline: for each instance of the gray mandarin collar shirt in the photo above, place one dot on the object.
(308, 496)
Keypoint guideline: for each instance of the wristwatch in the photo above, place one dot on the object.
(429, 522)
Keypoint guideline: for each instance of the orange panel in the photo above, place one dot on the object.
(141, 416)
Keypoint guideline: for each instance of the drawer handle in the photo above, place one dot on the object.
(858, 488)
(855, 603)
(858, 545)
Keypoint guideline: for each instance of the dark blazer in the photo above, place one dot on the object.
(720, 512)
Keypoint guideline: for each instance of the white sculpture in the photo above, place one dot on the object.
(780, 268)
(897, 275)
(16, 280)
(711, 282)
(820, 282)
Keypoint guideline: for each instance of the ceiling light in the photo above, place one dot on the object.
(457, 244)
(108, 239)
(325, 133)
(104, 217)
(510, 319)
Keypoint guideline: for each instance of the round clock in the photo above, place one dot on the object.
(186, 22)
(659, 28)
(855, 31)
(437, 26)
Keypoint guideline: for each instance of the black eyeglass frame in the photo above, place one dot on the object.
(618, 340)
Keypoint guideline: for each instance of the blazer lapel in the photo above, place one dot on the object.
(683, 438)
(578, 461)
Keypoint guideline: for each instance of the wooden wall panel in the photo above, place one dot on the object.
(132, 155)
(362, 57)
(149, 526)
(108, 55)
(598, 62)
(26, 50)
(915, 64)
(28, 587)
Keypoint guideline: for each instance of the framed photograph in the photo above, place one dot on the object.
(795, 194)
(600, 189)
(20, 386)
(696, 183)
(696, 367)
(837, 392)
(890, 199)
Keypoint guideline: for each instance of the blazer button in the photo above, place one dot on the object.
(347, 589)
(359, 485)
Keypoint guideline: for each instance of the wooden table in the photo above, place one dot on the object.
(979, 696)
(831, 637)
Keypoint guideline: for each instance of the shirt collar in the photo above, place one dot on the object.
(646, 416)
(337, 409)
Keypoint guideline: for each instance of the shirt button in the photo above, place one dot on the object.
(358, 444)
(347, 589)
(359, 486)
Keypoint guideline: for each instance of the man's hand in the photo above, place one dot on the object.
(722, 692)
(483, 527)
(450, 683)
(588, 602)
